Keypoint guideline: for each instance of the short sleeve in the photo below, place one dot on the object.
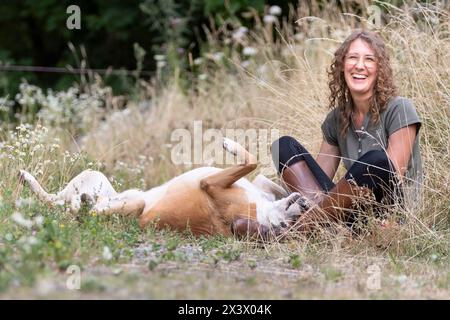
(329, 128)
(401, 114)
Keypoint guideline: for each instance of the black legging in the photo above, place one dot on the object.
(372, 170)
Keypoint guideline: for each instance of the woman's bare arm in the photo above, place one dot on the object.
(328, 158)
(400, 145)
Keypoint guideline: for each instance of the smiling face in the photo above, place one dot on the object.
(360, 68)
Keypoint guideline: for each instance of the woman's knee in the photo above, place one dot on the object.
(283, 143)
(286, 145)
(372, 170)
(286, 151)
(374, 162)
(375, 158)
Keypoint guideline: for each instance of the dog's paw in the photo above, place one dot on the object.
(298, 199)
(296, 205)
(304, 204)
(230, 145)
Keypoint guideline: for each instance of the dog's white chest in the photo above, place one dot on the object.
(265, 213)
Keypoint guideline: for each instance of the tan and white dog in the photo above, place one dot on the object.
(206, 200)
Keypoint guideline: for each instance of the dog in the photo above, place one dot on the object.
(205, 200)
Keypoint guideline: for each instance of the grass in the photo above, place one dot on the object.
(283, 87)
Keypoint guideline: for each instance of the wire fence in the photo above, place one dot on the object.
(70, 70)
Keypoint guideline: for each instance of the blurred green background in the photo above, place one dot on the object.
(34, 33)
(119, 34)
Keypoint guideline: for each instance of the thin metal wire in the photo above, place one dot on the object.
(72, 70)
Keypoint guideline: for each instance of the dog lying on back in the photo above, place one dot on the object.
(206, 200)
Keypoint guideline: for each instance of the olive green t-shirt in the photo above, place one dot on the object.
(399, 113)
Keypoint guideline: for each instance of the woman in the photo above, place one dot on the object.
(373, 130)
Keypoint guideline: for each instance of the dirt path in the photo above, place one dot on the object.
(190, 273)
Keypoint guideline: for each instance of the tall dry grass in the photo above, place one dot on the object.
(285, 87)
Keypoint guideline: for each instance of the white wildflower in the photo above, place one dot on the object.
(240, 33)
(160, 64)
(18, 218)
(217, 56)
(269, 19)
(39, 220)
(275, 10)
(20, 203)
(198, 61)
(249, 51)
(5, 104)
(107, 255)
(159, 57)
(32, 240)
(200, 77)
(36, 148)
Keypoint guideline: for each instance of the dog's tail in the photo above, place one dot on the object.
(43, 195)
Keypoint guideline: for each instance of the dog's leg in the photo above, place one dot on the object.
(132, 207)
(269, 186)
(26, 177)
(90, 184)
(126, 207)
(215, 184)
(226, 177)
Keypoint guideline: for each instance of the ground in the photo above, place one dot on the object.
(177, 268)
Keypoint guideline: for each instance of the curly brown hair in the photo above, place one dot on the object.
(384, 89)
